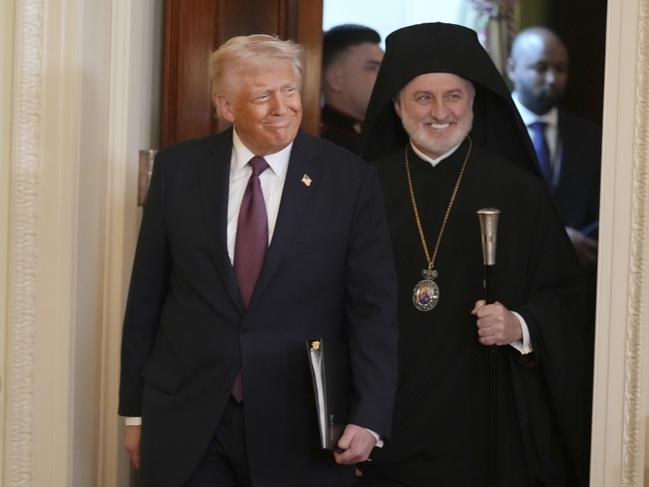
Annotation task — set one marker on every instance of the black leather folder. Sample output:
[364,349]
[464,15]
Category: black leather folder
[331,374]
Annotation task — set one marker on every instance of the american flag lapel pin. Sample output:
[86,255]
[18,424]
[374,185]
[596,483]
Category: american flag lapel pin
[306,180]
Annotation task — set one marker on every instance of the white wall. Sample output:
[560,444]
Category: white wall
[385,16]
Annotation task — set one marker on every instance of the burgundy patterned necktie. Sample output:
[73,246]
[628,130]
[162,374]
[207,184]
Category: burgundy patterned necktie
[251,243]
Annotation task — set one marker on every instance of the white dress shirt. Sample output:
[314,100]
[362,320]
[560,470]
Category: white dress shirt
[524,346]
[271,180]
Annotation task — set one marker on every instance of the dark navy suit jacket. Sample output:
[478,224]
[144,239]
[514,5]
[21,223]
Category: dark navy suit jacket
[577,190]
[328,273]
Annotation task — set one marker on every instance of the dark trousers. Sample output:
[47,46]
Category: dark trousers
[225,463]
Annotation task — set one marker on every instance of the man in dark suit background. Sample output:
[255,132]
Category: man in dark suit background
[252,241]
[351,57]
[568,147]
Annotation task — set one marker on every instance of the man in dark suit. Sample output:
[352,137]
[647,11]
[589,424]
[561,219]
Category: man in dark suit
[253,241]
[568,147]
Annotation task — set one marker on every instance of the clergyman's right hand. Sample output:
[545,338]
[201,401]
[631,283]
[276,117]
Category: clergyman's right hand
[132,440]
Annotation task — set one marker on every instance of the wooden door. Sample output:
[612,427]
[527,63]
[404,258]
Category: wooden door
[194,28]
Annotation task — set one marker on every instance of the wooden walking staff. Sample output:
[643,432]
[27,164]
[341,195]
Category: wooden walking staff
[489,231]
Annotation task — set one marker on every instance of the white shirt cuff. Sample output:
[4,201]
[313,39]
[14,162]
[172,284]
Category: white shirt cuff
[524,346]
[379,441]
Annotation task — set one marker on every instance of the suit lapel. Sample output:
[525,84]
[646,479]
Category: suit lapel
[214,187]
[294,203]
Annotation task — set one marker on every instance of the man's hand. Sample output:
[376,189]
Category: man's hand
[132,440]
[496,324]
[357,443]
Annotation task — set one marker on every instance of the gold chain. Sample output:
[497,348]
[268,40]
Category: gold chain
[431,262]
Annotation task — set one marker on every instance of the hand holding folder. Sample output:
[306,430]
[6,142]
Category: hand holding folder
[331,374]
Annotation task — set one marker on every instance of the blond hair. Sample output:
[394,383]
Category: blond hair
[243,52]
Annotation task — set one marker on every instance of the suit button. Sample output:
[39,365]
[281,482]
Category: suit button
[226,387]
[245,331]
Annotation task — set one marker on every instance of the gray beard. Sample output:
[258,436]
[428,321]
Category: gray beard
[430,147]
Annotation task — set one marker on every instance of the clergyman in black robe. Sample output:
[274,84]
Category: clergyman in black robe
[489,394]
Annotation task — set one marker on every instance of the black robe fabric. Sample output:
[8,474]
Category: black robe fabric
[441,430]
[340,129]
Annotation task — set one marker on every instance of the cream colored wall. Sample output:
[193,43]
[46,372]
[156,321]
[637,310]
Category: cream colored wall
[6,112]
[133,124]
[94,82]
[48,124]
[85,88]
[120,104]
